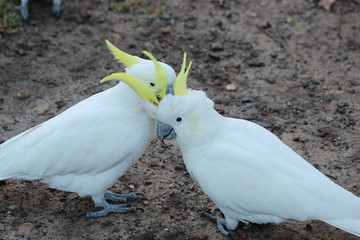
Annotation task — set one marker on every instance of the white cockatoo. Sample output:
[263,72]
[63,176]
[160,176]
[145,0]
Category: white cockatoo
[250,174]
[88,147]
[57,8]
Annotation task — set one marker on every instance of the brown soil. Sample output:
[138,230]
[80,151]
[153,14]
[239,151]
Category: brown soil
[297,71]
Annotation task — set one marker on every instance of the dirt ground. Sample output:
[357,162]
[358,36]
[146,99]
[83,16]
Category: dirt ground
[296,67]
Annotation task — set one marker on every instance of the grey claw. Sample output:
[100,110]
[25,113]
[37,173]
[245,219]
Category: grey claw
[141,209]
[142,195]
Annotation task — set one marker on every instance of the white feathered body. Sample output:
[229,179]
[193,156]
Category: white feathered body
[84,149]
[250,174]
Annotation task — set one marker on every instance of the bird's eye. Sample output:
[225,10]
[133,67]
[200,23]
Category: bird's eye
[152,84]
[179,119]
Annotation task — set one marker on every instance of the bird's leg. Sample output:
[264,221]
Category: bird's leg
[23,9]
[221,222]
[108,208]
[57,8]
[109,195]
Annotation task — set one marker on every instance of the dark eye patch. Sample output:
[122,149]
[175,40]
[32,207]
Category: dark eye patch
[152,84]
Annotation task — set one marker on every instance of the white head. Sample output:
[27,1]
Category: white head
[191,117]
[150,79]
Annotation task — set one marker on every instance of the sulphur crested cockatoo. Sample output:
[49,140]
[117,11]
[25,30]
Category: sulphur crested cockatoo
[89,146]
[57,8]
[250,174]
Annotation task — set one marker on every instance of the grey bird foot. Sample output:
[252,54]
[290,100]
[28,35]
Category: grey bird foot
[221,222]
[109,208]
[57,8]
[109,195]
[23,8]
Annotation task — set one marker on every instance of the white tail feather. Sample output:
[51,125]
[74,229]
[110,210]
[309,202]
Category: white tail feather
[350,225]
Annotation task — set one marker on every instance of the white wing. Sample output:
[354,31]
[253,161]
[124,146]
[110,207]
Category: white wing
[251,175]
[89,138]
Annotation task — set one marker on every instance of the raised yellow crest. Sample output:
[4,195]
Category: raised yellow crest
[122,57]
[180,86]
[141,89]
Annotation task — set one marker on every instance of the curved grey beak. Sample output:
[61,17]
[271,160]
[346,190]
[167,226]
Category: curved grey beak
[165,132]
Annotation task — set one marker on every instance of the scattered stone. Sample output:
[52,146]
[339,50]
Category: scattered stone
[214,56]
[217,82]
[184,215]
[256,64]
[165,30]
[296,139]
[276,126]
[165,17]
[146,202]
[305,83]
[161,150]
[231,87]
[273,55]
[329,119]
[142,163]
[21,95]
[217,46]
[42,109]
[28,229]
[271,80]
[228,14]
[342,104]
[21,52]
[267,25]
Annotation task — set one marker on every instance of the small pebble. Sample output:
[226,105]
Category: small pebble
[42,109]
[217,46]
[21,52]
[271,80]
[217,82]
[342,104]
[214,56]
[305,83]
[21,95]
[165,17]
[273,55]
[161,150]
[329,119]
[296,139]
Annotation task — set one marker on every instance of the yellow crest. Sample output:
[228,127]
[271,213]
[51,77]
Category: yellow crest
[161,75]
[180,87]
[141,89]
[123,58]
